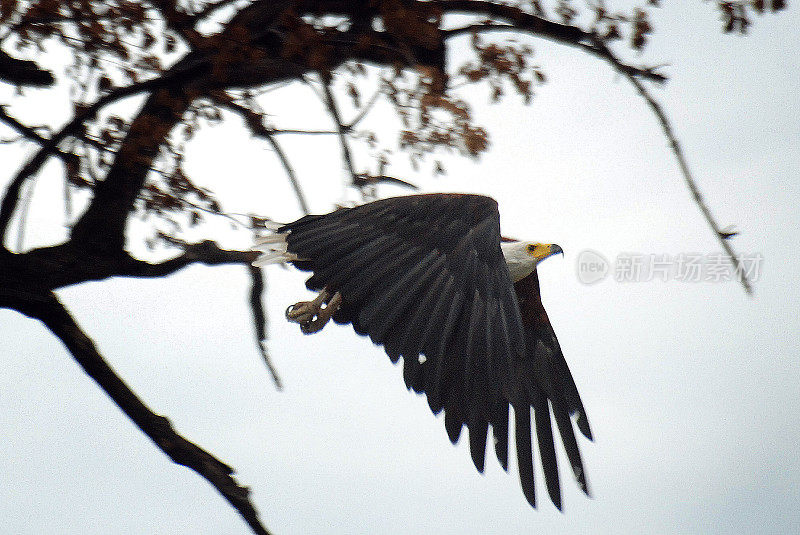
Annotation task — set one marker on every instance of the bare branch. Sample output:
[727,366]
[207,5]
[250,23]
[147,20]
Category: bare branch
[255,121]
[365,110]
[298,192]
[26,131]
[340,128]
[46,307]
[721,235]
[364,180]
[206,252]
[209,253]
[277,131]
[260,321]
[66,264]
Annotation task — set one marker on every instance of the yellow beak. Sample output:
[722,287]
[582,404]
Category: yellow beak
[543,250]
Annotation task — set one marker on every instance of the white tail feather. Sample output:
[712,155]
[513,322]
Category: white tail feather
[273,248]
[268,247]
[271,238]
[272,225]
[267,259]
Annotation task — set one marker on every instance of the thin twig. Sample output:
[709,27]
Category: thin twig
[293,180]
[340,128]
[365,110]
[70,157]
[720,234]
[276,131]
[260,321]
[227,215]
[254,120]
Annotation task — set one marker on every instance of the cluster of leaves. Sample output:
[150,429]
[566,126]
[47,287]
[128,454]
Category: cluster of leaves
[736,15]
[169,195]
[113,43]
[636,25]
[122,40]
[499,62]
[416,23]
[431,117]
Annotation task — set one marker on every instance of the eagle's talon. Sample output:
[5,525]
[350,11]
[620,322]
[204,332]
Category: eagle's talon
[302,313]
[314,315]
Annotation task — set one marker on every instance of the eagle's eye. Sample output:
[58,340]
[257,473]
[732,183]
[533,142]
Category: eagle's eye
[531,248]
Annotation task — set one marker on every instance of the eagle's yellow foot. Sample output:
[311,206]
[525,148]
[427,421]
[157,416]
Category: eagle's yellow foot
[313,315]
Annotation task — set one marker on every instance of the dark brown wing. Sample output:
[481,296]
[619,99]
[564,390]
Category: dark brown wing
[545,376]
[425,277]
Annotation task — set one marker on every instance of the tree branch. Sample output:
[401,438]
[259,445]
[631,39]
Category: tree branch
[65,264]
[46,307]
[254,121]
[206,252]
[330,103]
[513,15]
[26,131]
[209,253]
[260,321]
[721,235]
[23,72]
[364,110]
[287,166]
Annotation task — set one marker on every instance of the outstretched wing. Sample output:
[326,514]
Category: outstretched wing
[425,277]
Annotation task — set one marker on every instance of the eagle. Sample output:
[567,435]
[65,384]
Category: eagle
[430,278]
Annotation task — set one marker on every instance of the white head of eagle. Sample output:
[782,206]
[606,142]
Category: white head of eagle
[522,256]
[430,279]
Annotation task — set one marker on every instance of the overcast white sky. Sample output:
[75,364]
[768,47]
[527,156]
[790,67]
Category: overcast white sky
[691,388]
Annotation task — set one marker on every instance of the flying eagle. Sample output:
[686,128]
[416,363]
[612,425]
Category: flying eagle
[430,279]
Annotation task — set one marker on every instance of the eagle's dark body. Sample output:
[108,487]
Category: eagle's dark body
[425,277]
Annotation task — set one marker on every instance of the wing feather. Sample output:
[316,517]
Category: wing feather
[409,342]
[384,311]
[438,349]
[351,264]
[522,434]
[500,431]
[547,450]
[478,429]
[544,375]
